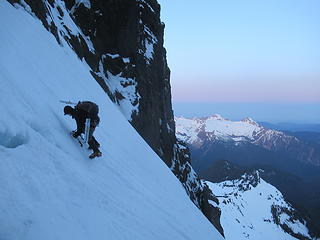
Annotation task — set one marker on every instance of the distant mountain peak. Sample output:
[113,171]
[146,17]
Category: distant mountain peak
[214,129]
[250,121]
[217,117]
[196,130]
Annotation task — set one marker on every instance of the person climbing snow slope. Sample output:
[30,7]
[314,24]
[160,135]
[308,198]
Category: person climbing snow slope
[82,111]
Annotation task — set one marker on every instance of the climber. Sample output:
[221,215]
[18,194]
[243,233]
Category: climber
[82,111]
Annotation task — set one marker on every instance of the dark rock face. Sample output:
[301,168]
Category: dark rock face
[197,190]
[122,42]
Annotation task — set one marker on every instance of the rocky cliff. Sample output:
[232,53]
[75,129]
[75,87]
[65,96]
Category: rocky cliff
[122,43]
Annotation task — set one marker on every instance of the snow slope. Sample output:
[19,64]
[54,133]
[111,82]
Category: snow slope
[49,189]
[253,209]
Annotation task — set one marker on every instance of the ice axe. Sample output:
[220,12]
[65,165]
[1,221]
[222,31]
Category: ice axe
[68,102]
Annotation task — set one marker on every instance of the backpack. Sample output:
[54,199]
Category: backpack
[92,109]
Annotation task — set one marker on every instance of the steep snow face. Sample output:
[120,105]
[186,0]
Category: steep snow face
[49,189]
[253,209]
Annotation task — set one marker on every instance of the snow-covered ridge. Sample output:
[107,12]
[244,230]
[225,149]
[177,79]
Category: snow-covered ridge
[49,189]
[253,209]
[213,130]
[196,131]
[216,127]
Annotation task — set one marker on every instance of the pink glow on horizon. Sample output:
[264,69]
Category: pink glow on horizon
[242,92]
[249,87]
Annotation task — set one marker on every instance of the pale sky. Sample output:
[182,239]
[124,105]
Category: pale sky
[247,52]
[243,51]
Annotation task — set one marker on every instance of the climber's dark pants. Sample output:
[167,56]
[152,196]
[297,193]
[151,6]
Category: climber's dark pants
[93,143]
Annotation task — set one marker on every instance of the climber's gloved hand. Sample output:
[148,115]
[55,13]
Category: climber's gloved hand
[75,134]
